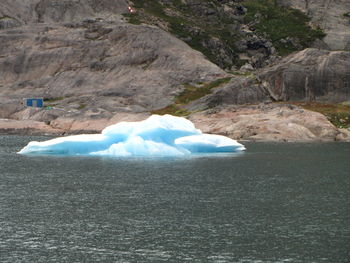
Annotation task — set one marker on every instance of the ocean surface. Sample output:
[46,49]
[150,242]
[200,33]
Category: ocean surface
[274,203]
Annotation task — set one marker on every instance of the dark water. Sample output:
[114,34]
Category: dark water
[275,203]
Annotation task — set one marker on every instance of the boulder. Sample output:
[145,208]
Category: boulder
[247,67]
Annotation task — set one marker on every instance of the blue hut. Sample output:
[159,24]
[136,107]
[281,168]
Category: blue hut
[34,102]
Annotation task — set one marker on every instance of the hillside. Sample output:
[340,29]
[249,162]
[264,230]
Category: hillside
[331,16]
[231,33]
[96,62]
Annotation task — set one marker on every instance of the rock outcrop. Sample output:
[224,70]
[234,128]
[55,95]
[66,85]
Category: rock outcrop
[263,122]
[332,16]
[40,11]
[269,122]
[239,91]
[310,75]
[27,127]
[96,68]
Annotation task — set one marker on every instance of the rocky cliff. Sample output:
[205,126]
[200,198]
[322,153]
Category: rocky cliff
[310,75]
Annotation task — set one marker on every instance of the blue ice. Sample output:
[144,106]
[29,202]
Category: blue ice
[165,135]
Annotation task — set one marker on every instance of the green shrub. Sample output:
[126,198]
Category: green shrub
[172,110]
[53,99]
[189,94]
[133,18]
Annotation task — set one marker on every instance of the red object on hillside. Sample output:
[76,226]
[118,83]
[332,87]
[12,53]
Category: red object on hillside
[131,10]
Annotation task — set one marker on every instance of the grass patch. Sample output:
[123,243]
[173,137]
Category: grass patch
[82,106]
[173,110]
[151,6]
[250,75]
[190,93]
[337,114]
[8,18]
[133,18]
[278,22]
[50,100]
[242,73]
[346,103]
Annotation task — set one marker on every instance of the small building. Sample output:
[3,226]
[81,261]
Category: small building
[34,102]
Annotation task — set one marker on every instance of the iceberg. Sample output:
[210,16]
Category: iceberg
[165,135]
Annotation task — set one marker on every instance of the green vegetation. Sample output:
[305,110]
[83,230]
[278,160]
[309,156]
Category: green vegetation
[181,30]
[279,23]
[151,6]
[192,93]
[337,114]
[346,103]
[133,18]
[50,100]
[189,94]
[250,75]
[287,28]
[82,106]
[182,22]
[205,32]
[173,110]
[6,18]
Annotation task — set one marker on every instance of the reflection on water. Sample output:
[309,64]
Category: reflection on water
[274,203]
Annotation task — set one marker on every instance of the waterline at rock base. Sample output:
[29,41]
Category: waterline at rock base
[156,136]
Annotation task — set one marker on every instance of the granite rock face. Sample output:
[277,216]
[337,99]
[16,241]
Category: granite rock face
[87,63]
[239,91]
[330,16]
[269,122]
[39,11]
[97,67]
[310,75]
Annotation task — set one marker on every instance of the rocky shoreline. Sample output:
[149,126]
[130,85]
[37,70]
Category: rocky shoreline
[266,122]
